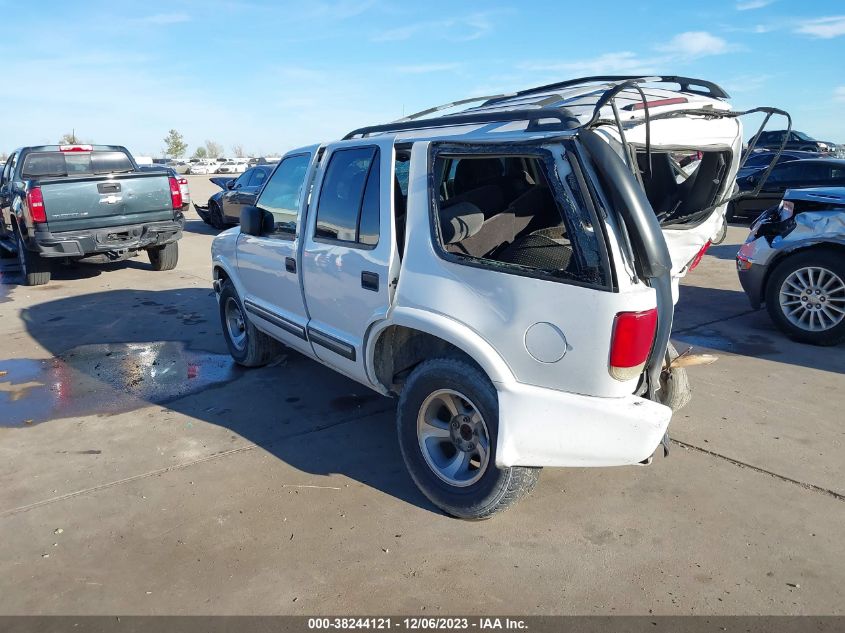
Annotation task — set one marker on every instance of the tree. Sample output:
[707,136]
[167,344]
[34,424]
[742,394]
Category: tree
[175,145]
[200,152]
[213,150]
[69,139]
[3,157]
[238,151]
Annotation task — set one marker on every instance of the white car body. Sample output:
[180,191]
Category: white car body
[232,167]
[205,167]
[544,344]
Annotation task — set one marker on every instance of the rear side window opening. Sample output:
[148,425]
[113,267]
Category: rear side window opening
[57,164]
[515,213]
[682,186]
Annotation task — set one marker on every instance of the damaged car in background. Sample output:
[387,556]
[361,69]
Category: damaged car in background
[224,207]
[794,262]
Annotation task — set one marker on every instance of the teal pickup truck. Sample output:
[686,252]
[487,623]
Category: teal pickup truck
[89,203]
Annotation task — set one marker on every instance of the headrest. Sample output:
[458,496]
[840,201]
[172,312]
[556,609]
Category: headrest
[472,172]
[460,221]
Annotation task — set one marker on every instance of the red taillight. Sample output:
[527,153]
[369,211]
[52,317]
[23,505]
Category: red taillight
[657,102]
[697,259]
[76,148]
[35,202]
[183,181]
[633,335]
[175,193]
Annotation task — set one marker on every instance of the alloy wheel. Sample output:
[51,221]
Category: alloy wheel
[813,299]
[235,323]
[453,438]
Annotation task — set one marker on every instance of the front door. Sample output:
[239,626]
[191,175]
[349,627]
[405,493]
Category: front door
[267,264]
[232,201]
[349,258]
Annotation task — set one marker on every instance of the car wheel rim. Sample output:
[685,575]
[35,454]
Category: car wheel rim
[813,299]
[235,323]
[453,438]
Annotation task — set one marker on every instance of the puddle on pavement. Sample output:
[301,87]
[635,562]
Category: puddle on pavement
[105,379]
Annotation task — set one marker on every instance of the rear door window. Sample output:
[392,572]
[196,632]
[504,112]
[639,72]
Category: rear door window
[348,207]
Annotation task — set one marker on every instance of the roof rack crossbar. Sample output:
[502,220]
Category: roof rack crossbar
[567,120]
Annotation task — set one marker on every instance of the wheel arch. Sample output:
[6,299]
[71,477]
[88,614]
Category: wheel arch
[222,270]
[799,249]
[410,336]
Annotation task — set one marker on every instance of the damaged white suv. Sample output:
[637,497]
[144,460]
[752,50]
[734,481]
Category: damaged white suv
[507,271]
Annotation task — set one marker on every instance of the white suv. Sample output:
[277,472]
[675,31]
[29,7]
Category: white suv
[503,271]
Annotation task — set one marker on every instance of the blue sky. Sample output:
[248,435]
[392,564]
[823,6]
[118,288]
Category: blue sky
[276,75]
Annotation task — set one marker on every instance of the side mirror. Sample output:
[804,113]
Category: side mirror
[255,221]
[230,185]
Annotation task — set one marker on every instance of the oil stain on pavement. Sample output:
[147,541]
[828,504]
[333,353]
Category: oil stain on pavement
[105,379]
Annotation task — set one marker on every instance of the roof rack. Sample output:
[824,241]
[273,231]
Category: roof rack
[540,111]
[533,115]
[712,89]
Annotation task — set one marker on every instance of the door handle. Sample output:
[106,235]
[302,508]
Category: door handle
[290,264]
[369,280]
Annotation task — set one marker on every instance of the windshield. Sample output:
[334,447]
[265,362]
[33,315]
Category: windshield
[803,136]
[43,164]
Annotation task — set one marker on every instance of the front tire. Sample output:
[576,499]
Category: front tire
[805,297]
[215,218]
[164,257]
[447,423]
[247,345]
[34,269]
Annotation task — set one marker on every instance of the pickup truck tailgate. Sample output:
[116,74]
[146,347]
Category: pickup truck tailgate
[101,202]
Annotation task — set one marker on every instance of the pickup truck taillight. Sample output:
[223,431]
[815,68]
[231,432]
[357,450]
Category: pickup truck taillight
[175,193]
[633,335]
[35,202]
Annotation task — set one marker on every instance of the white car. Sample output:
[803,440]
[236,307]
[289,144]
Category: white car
[204,167]
[508,272]
[232,167]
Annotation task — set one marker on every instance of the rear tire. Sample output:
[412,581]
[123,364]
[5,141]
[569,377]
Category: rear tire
[794,305]
[453,461]
[35,270]
[215,216]
[675,390]
[164,257]
[247,345]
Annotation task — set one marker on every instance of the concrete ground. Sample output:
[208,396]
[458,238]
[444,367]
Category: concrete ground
[141,473]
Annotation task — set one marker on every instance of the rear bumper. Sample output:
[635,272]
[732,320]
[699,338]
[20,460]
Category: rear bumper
[114,239]
[544,427]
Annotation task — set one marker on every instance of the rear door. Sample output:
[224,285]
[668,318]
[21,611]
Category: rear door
[349,256]
[267,264]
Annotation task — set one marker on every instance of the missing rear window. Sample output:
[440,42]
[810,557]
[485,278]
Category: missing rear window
[516,213]
[682,186]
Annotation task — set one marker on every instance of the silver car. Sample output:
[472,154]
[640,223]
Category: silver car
[794,262]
